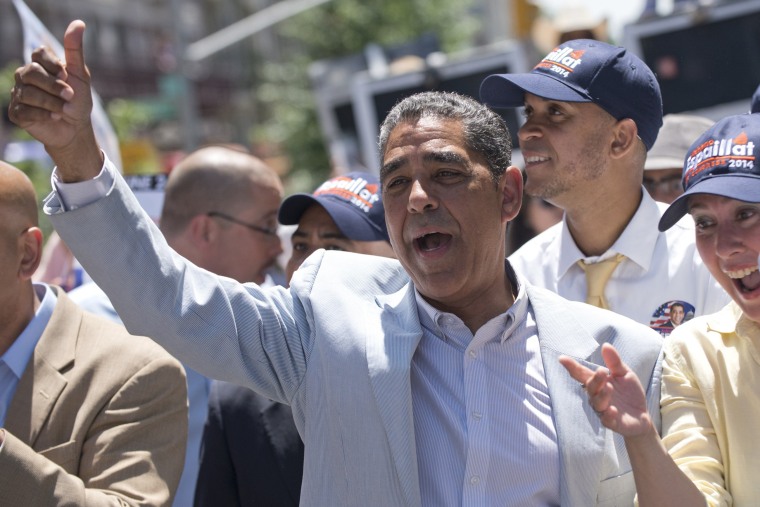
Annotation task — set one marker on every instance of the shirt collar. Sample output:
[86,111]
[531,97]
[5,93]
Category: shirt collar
[731,320]
[432,318]
[18,355]
[637,241]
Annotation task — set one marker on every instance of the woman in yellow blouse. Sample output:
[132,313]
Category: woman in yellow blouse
[710,449]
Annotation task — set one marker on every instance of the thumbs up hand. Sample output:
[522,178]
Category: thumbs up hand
[52,101]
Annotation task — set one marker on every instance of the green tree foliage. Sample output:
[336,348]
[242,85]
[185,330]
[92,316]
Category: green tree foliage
[129,118]
[335,29]
[6,81]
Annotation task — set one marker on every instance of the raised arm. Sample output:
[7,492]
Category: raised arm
[616,395]
[52,100]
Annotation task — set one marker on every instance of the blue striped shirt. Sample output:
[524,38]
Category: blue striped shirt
[482,415]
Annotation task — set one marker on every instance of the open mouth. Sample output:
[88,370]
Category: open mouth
[747,280]
[433,241]
[535,160]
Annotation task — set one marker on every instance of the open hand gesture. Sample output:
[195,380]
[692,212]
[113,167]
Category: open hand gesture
[615,393]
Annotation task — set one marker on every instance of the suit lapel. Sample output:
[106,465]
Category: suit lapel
[389,359]
[580,435]
[42,382]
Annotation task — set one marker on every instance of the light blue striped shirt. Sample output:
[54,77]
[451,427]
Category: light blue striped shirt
[482,415]
[14,361]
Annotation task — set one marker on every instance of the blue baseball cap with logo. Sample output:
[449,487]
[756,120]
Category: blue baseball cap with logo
[585,70]
[352,200]
[722,161]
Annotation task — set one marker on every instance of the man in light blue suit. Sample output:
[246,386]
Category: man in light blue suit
[429,381]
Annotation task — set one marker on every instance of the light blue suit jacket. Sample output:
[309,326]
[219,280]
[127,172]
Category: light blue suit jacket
[338,347]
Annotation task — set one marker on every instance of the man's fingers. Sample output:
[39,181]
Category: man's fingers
[74,48]
[612,359]
[24,116]
[34,78]
[32,96]
[575,369]
[46,59]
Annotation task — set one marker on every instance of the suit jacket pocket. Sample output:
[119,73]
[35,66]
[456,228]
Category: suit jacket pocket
[617,491]
[64,455]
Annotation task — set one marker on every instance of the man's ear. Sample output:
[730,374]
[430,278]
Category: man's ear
[30,244]
[202,229]
[625,136]
[512,193]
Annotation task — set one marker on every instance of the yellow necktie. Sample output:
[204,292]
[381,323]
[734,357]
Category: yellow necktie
[597,275]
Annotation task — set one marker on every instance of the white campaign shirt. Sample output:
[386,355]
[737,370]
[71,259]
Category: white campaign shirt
[660,268]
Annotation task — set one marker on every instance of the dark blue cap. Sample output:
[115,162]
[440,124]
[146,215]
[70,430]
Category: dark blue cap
[585,70]
[352,200]
[722,161]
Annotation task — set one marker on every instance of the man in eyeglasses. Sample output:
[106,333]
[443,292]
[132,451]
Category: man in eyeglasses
[664,164]
[220,212]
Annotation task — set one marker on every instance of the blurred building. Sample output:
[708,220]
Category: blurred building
[132,51]
[702,53]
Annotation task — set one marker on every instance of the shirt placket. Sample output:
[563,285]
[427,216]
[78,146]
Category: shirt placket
[478,435]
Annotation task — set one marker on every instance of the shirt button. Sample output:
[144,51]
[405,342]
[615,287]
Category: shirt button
[475,479]
[477,415]
[473,354]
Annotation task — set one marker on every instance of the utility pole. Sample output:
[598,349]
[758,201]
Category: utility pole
[188,55]
[246,27]
[186,102]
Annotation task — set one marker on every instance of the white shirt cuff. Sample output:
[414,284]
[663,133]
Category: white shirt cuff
[82,193]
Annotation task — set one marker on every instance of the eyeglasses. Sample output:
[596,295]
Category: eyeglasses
[253,227]
[668,185]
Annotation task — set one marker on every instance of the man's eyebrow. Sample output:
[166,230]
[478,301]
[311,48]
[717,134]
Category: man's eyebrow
[446,157]
[326,235]
[332,235]
[391,166]
[692,206]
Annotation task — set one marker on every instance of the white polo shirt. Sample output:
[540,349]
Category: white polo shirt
[659,269]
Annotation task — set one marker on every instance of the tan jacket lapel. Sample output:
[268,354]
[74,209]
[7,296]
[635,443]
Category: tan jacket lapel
[42,381]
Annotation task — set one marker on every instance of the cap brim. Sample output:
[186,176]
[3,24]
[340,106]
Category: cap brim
[351,222]
[508,90]
[293,207]
[742,187]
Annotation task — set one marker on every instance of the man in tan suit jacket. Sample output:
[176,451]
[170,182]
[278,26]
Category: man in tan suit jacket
[89,415]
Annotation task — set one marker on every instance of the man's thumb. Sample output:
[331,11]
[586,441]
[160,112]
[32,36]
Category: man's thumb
[74,48]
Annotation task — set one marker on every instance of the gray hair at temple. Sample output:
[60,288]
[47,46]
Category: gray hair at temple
[485,132]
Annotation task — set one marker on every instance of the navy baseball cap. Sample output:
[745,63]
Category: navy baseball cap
[585,70]
[352,200]
[722,161]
